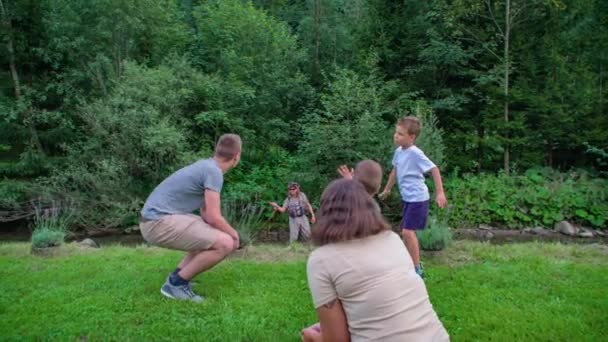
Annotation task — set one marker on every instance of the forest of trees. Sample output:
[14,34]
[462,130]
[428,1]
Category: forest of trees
[101,100]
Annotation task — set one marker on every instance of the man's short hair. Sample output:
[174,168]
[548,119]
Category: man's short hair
[369,173]
[227,147]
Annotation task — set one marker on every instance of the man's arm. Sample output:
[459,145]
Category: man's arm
[313,219]
[277,207]
[333,322]
[212,214]
[389,184]
[441,200]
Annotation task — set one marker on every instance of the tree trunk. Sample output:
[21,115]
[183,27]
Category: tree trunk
[480,148]
[11,52]
[27,114]
[506,83]
[317,20]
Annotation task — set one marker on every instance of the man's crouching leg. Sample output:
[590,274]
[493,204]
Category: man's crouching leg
[178,284]
[204,260]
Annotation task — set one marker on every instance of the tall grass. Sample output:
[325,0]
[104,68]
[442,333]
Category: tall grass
[50,224]
[246,218]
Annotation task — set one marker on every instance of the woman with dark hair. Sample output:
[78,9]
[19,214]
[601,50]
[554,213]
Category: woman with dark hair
[361,278]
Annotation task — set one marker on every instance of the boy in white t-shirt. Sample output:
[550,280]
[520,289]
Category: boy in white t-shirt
[410,165]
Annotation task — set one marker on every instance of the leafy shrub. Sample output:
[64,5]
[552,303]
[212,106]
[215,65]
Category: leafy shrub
[539,197]
[45,237]
[348,128]
[13,193]
[51,222]
[134,138]
[436,236]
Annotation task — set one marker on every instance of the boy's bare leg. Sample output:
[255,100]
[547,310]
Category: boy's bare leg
[411,244]
[204,260]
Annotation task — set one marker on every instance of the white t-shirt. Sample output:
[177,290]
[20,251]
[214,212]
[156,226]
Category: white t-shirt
[411,165]
[382,296]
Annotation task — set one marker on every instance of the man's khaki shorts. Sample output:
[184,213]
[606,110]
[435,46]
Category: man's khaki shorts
[181,232]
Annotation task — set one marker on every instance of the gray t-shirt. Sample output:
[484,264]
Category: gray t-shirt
[183,191]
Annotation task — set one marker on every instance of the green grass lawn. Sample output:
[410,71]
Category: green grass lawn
[519,292]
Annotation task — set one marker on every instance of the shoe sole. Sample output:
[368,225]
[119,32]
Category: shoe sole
[166,294]
[171,297]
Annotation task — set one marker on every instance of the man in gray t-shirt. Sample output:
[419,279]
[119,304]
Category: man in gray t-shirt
[167,219]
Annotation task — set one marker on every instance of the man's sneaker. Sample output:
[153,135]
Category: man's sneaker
[183,292]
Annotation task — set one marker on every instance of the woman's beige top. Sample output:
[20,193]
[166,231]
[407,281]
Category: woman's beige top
[374,279]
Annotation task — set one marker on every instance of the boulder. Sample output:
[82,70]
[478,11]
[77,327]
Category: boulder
[486,234]
[565,228]
[584,233]
[88,243]
[539,231]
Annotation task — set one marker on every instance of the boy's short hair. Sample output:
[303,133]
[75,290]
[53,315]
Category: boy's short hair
[347,212]
[227,147]
[369,173]
[411,124]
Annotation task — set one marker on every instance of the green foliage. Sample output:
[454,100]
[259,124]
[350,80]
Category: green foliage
[50,224]
[601,156]
[539,197]
[109,97]
[135,137]
[436,236]
[259,182]
[331,31]
[13,193]
[45,237]
[349,128]
[246,218]
[256,57]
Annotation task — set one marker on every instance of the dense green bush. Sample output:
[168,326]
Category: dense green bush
[436,236]
[538,197]
[45,237]
[51,222]
[13,193]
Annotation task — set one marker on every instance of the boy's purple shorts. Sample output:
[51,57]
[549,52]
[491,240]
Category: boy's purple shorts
[414,215]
